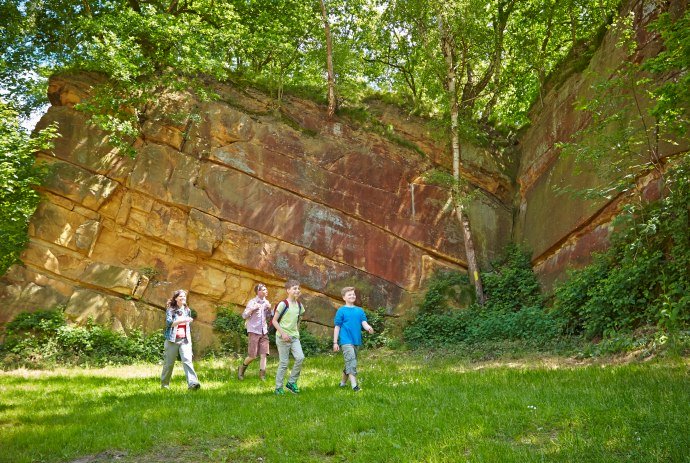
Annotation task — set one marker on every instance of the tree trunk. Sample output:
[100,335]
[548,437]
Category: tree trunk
[472,268]
[451,80]
[332,103]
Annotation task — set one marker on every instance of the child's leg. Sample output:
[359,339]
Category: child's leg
[252,348]
[353,380]
[343,379]
[283,357]
[297,353]
[262,351]
[170,355]
[350,355]
[186,357]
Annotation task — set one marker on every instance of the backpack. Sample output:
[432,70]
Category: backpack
[272,329]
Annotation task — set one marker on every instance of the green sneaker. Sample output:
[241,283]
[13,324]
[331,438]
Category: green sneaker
[279,391]
[292,387]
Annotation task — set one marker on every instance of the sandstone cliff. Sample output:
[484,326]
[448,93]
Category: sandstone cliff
[244,191]
[563,230]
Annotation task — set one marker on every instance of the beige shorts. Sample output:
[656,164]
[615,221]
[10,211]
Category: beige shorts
[258,345]
[350,356]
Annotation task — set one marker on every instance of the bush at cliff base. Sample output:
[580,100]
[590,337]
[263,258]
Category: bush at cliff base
[643,279]
[514,310]
[44,339]
[634,296]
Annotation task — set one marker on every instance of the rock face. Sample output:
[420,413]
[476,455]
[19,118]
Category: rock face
[561,229]
[240,193]
[226,193]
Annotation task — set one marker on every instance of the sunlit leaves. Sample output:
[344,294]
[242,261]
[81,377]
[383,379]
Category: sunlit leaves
[18,176]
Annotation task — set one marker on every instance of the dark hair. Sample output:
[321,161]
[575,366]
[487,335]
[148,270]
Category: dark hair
[290,283]
[172,303]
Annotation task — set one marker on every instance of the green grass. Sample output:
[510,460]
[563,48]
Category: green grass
[412,408]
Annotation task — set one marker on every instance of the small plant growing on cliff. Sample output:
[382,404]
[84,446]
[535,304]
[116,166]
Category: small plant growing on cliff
[149,272]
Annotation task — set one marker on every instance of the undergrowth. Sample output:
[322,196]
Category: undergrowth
[44,339]
[514,310]
[642,281]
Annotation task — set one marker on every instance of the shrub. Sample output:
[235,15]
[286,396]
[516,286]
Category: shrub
[311,344]
[231,330]
[643,278]
[377,320]
[514,309]
[44,338]
[445,290]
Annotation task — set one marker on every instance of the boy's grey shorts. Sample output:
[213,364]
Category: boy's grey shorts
[350,356]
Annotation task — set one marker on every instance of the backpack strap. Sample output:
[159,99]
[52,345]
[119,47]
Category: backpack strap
[299,312]
[287,306]
[285,309]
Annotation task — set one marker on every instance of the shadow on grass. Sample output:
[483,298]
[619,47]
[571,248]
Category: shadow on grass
[407,411]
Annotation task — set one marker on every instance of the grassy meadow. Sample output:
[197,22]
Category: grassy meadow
[411,409]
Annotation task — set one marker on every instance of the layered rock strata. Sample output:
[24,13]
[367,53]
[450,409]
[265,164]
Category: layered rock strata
[225,193]
[562,229]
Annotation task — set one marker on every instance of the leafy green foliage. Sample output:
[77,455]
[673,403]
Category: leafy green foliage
[514,309]
[644,277]
[443,292]
[145,47]
[672,97]
[311,344]
[377,320]
[632,114]
[231,330]
[512,285]
[19,175]
[44,339]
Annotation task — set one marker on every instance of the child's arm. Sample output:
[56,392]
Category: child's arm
[336,332]
[249,310]
[367,327]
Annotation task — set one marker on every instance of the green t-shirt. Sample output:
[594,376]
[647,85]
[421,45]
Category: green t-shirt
[289,321]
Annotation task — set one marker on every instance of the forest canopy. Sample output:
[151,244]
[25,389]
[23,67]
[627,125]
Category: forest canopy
[505,49]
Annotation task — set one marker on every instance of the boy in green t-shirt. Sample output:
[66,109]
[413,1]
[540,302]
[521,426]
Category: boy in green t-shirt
[286,323]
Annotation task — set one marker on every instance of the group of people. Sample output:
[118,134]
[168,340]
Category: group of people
[347,336]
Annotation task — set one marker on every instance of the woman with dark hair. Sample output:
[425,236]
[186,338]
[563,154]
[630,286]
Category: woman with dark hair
[178,340]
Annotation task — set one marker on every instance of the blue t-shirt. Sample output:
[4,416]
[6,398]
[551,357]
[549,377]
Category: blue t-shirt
[350,319]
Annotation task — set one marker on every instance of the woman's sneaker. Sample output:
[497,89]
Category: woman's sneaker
[279,391]
[356,388]
[292,387]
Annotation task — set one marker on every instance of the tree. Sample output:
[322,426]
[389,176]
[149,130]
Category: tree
[19,174]
[457,53]
[332,103]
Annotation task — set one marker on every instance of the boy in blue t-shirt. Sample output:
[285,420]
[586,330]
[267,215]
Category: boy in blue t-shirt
[347,334]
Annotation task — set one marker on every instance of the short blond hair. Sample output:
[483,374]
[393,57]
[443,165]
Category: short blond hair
[346,290]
